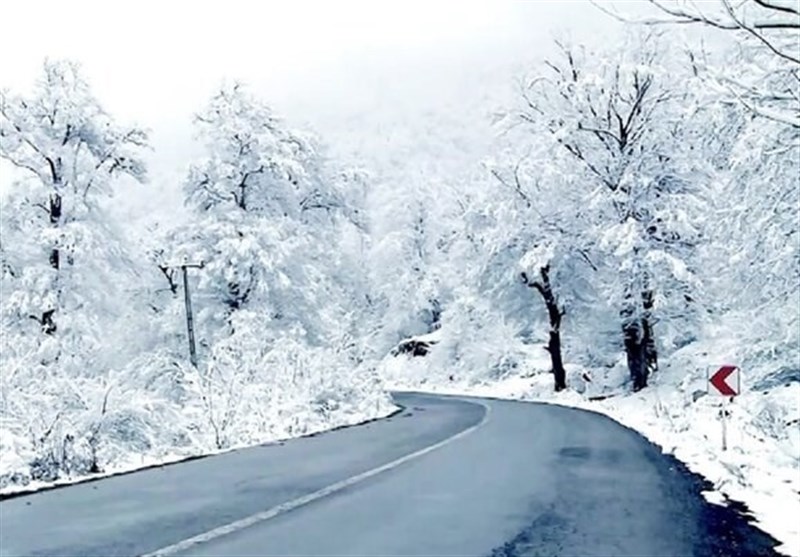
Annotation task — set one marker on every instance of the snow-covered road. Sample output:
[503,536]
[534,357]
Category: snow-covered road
[505,478]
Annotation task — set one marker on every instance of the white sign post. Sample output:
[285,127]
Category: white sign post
[723,412]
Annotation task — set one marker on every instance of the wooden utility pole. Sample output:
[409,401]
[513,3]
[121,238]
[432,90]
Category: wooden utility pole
[187,298]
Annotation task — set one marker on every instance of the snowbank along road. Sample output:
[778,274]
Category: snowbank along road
[445,476]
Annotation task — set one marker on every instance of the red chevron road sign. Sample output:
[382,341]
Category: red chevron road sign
[725,381]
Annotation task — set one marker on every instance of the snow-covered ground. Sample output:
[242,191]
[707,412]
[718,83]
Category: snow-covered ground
[761,467]
[16,454]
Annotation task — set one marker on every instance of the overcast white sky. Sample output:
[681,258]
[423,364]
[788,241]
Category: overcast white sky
[355,71]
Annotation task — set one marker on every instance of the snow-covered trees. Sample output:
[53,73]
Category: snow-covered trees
[267,221]
[255,162]
[264,214]
[605,198]
[404,272]
[63,260]
[66,274]
[761,72]
[544,226]
[752,256]
[616,118]
[94,365]
[752,241]
[626,195]
[73,151]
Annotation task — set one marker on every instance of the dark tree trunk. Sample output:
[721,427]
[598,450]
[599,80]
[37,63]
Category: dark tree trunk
[635,341]
[55,258]
[55,219]
[649,339]
[554,348]
[554,314]
[47,321]
[242,195]
[635,352]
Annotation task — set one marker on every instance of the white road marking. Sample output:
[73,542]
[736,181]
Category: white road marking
[305,499]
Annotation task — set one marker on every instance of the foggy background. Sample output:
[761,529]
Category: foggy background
[403,89]
[376,80]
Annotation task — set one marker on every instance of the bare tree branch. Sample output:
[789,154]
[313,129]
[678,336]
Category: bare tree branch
[788,8]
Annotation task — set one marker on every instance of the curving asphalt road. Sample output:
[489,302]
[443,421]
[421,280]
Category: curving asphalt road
[446,476]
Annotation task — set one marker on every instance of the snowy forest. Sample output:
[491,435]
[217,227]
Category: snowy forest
[632,221]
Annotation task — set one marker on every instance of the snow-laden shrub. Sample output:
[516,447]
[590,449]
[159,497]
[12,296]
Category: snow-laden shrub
[255,388]
[475,344]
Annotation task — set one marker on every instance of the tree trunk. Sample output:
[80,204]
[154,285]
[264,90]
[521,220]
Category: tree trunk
[242,198]
[554,348]
[55,220]
[554,314]
[649,340]
[635,352]
[47,321]
[633,338]
[638,335]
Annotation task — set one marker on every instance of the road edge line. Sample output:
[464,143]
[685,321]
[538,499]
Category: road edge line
[287,506]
